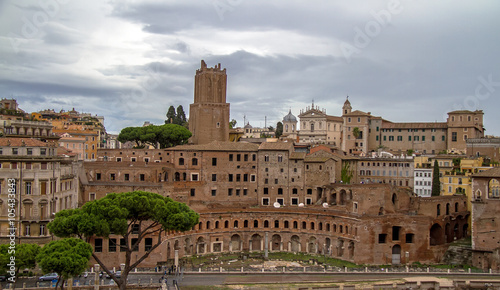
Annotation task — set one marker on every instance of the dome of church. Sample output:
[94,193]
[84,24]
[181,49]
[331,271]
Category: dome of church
[248,126]
[289,117]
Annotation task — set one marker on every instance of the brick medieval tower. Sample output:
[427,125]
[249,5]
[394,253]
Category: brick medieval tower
[209,114]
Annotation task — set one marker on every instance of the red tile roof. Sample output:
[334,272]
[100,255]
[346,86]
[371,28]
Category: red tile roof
[22,142]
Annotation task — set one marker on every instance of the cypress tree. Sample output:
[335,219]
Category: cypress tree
[436,184]
[171,116]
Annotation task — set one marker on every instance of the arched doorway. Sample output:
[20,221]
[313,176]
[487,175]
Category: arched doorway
[436,235]
[295,243]
[235,243]
[328,243]
[340,248]
[255,242]
[396,255]
[276,243]
[188,247]
[200,245]
[311,245]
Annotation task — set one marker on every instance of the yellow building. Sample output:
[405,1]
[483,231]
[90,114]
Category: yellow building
[459,180]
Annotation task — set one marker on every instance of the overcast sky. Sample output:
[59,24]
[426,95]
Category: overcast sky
[128,61]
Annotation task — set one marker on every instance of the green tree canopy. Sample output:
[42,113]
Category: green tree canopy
[171,115]
[67,257]
[122,212]
[181,116]
[346,173]
[25,255]
[176,117]
[356,132]
[436,183]
[162,136]
[279,129]
[232,124]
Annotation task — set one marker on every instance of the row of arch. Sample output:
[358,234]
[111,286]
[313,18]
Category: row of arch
[448,208]
[190,245]
[452,231]
[277,224]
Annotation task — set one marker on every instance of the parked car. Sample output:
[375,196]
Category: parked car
[3,278]
[49,277]
[118,274]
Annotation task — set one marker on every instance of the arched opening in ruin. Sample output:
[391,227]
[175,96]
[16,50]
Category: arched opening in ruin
[256,242]
[200,245]
[276,243]
[319,193]
[340,248]
[351,250]
[342,197]
[396,255]
[436,235]
[295,244]
[235,243]
[311,245]
[333,198]
[188,247]
[328,244]
[465,229]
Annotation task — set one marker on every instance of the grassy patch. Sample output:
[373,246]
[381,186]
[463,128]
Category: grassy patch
[305,258]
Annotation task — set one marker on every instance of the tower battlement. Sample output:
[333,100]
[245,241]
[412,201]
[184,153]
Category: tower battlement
[209,113]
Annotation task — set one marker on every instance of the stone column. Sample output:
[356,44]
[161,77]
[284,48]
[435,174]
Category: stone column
[176,258]
[289,246]
[266,249]
[251,246]
[96,276]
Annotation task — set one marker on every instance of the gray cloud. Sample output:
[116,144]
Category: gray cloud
[129,61]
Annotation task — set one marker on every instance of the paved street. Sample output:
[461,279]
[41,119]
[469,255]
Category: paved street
[252,278]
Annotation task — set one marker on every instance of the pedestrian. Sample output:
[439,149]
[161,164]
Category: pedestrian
[169,271]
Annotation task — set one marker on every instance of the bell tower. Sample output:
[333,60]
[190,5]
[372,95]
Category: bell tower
[209,114]
[346,109]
